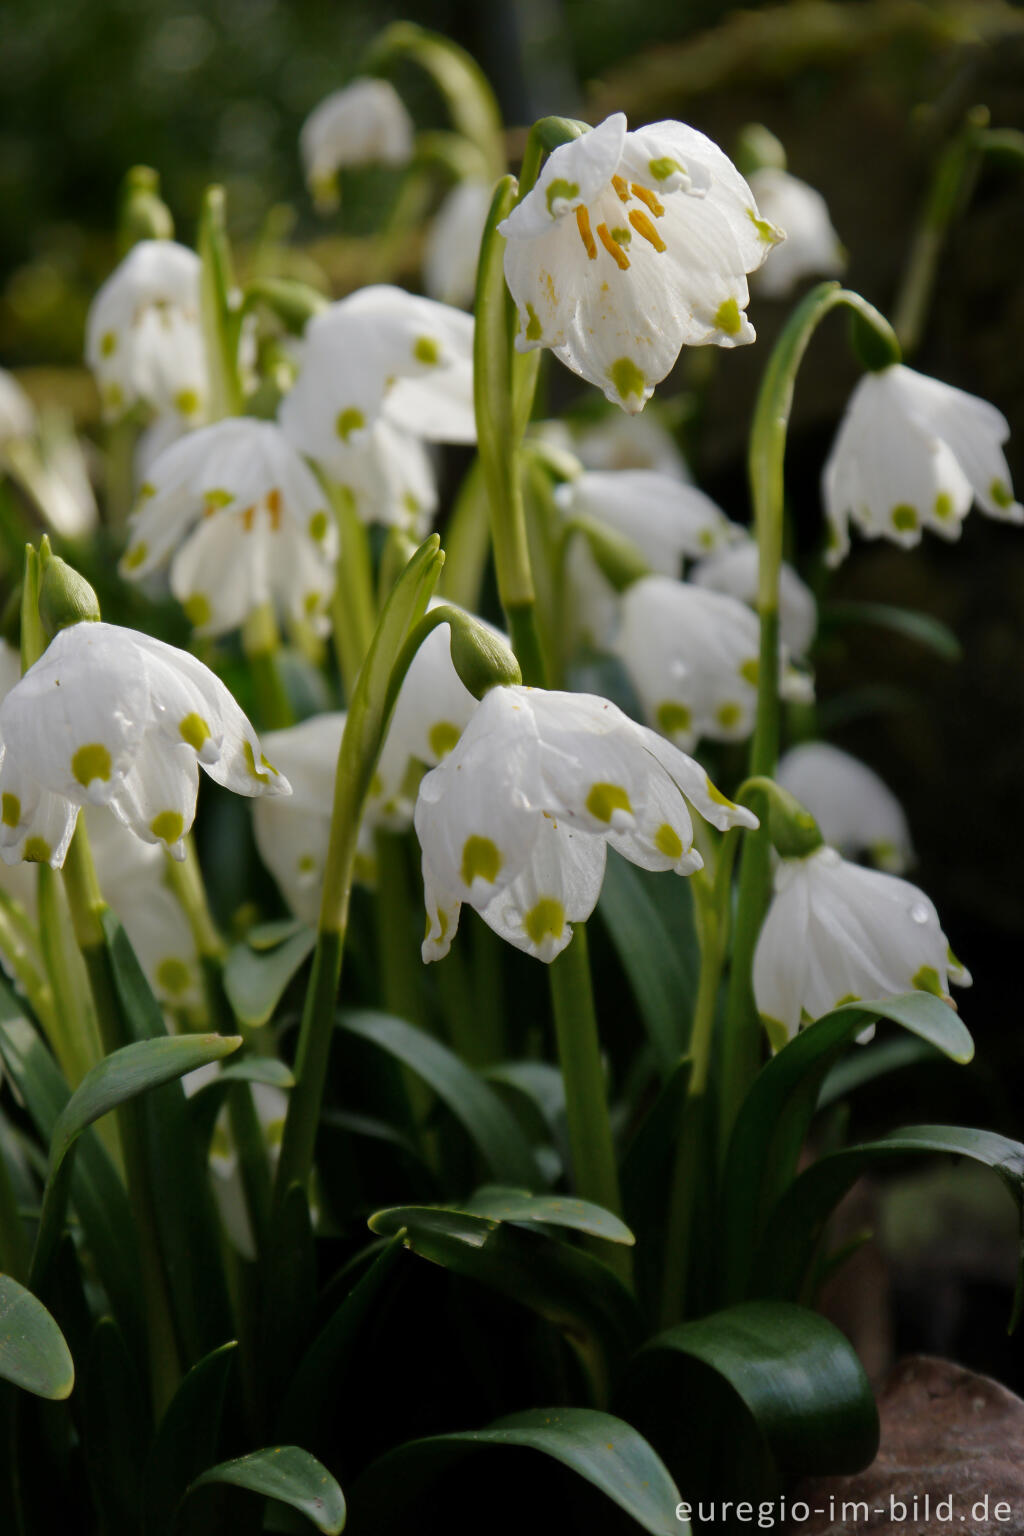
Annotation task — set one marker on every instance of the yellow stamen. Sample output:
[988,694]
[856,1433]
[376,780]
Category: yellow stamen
[647,196]
[643,226]
[611,247]
[274,508]
[619,183]
[586,235]
[248,518]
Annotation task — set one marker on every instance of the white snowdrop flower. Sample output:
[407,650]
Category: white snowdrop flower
[838,933]
[735,572]
[108,716]
[665,518]
[390,476]
[629,247]
[692,656]
[243,521]
[17,880]
[131,875]
[17,413]
[51,464]
[811,247]
[453,243]
[518,817]
[856,811]
[271,1106]
[618,441]
[364,123]
[912,453]
[144,342]
[381,353]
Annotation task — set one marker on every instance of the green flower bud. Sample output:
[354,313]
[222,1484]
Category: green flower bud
[482,658]
[65,597]
[758,149]
[617,557]
[143,214]
[793,830]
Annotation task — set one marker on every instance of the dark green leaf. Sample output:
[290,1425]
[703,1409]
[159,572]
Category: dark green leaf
[548,1210]
[923,628]
[142,1012]
[774,1118]
[869,1062]
[204,1105]
[290,1475]
[255,980]
[605,1451]
[115,1426]
[289,1292]
[796,1224]
[186,1439]
[491,1126]
[33,1353]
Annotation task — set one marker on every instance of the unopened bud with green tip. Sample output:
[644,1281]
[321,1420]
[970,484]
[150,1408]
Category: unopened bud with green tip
[758,149]
[294,303]
[143,214]
[875,346]
[793,831]
[617,558]
[65,597]
[482,658]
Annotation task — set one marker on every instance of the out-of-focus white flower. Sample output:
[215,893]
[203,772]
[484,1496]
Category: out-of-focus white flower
[910,454]
[453,243]
[665,518]
[380,354]
[735,572]
[856,812]
[629,247]
[517,818]
[17,413]
[271,1105]
[108,716]
[692,656]
[144,341]
[17,880]
[51,465]
[811,247]
[631,442]
[838,933]
[131,875]
[364,123]
[390,476]
[244,522]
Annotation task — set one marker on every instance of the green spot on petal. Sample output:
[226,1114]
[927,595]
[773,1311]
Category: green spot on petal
[410,503]
[627,379]
[108,343]
[534,329]
[673,718]
[728,317]
[944,505]
[621,236]
[927,980]
[91,762]
[11,814]
[146,490]
[605,799]
[173,976]
[561,191]
[778,1034]
[37,850]
[546,917]
[427,349]
[748,671]
[715,794]
[904,517]
[668,841]
[194,730]
[187,402]
[665,167]
[349,420]
[1000,493]
[318,526]
[168,826]
[766,231]
[442,737]
[480,859]
[134,557]
[218,498]
[197,609]
[250,763]
[848,997]
[728,715]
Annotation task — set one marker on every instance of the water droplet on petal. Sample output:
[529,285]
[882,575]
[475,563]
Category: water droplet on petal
[919,913]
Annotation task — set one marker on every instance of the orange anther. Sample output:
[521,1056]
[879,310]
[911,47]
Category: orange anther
[619,183]
[274,508]
[647,196]
[248,518]
[612,246]
[586,234]
[643,226]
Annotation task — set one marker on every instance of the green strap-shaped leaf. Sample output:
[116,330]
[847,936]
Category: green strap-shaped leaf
[204,1105]
[186,1439]
[254,980]
[549,1210]
[605,1451]
[121,1076]
[141,1010]
[774,1118]
[491,1126]
[33,1353]
[796,1223]
[869,1062]
[290,1475]
[651,927]
[115,1426]
[924,628]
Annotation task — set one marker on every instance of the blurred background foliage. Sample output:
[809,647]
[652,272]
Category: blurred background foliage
[864,95]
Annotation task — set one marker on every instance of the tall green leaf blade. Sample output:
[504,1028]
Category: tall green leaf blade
[187,1437]
[33,1352]
[606,1451]
[490,1125]
[255,980]
[505,1204]
[774,1118]
[795,1225]
[911,623]
[290,1475]
[141,1010]
[115,1426]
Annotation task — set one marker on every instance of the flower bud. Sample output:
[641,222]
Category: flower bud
[65,597]
[618,558]
[293,303]
[758,148]
[481,658]
[143,213]
[793,830]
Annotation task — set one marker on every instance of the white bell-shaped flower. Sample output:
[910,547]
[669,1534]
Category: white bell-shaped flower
[839,933]
[453,243]
[390,476]
[364,123]
[619,441]
[244,522]
[144,342]
[856,811]
[629,247]
[17,413]
[52,466]
[16,880]
[386,353]
[517,818]
[692,656]
[811,247]
[734,571]
[665,518]
[910,454]
[108,716]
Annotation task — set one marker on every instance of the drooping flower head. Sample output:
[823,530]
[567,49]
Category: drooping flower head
[364,123]
[735,570]
[244,522]
[664,517]
[629,247]
[17,413]
[143,337]
[108,716]
[453,243]
[838,933]
[911,454]
[856,812]
[518,817]
[811,247]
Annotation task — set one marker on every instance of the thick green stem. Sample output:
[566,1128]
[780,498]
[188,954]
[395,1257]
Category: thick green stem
[71,1025]
[353,610]
[262,645]
[595,1174]
[400,980]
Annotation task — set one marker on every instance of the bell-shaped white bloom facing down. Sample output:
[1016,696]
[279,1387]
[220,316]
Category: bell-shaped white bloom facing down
[518,817]
[910,454]
[838,933]
[17,413]
[665,518]
[381,352]
[692,656]
[453,243]
[811,247]
[144,342]
[856,812]
[245,523]
[108,716]
[629,247]
[364,123]
[631,442]
[734,571]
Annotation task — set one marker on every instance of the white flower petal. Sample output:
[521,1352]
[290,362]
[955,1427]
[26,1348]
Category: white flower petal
[559,886]
[856,811]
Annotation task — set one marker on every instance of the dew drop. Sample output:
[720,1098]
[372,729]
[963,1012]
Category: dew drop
[919,913]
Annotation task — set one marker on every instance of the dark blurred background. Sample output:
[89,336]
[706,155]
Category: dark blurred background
[863,95]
